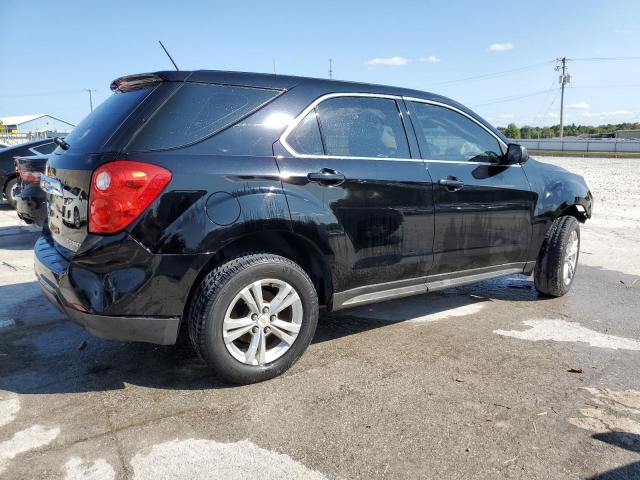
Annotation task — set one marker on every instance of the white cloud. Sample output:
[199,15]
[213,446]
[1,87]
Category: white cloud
[390,61]
[506,115]
[430,59]
[581,105]
[552,115]
[617,113]
[500,47]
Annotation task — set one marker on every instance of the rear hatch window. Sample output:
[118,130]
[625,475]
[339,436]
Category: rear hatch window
[196,111]
[92,133]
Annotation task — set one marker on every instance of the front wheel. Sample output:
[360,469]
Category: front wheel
[253,317]
[558,258]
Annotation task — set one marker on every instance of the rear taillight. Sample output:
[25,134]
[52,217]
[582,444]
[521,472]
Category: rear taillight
[29,176]
[121,191]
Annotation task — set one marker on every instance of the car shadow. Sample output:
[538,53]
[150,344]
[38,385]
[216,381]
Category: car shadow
[627,441]
[18,237]
[57,356]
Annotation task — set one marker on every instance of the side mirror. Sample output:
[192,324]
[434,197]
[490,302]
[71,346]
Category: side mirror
[516,154]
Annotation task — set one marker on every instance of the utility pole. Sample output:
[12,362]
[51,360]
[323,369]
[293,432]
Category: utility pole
[90,97]
[564,79]
[331,68]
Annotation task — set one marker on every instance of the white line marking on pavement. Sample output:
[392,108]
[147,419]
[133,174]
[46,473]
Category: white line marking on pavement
[9,407]
[194,459]
[78,469]
[563,331]
[609,411]
[24,441]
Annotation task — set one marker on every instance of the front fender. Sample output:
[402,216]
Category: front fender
[559,192]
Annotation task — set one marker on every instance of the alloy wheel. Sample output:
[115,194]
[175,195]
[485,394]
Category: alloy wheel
[570,258]
[262,322]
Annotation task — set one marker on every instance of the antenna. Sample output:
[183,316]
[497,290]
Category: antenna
[89,90]
[331,68]
[274,65]
[168,54]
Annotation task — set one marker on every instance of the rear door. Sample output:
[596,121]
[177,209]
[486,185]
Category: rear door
[351,172]
[483,210]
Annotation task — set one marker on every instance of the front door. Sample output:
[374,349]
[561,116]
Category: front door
[350,177]
[483,209]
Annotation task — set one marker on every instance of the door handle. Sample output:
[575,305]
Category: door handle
[326,176]
[451,183]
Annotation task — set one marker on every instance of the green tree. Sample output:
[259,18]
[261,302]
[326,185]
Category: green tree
[512,131]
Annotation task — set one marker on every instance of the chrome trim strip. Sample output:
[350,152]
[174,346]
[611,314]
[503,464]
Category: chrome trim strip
[296,121]
[448,281]
[414,286]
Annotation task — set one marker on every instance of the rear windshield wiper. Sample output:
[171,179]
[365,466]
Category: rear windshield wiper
[61,143]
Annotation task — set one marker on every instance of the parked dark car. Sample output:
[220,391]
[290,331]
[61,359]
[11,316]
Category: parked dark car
[237,204]
[31,201]
[7,165]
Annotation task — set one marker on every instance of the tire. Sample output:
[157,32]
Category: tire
[226,296]
[553,275]
[76,218]
[7,192]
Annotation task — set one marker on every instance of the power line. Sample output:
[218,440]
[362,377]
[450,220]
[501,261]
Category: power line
[586,59]
[631,85]
[494,74]
[512,98]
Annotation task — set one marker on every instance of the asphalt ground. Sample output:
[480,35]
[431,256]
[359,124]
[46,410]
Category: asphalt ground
[482,382]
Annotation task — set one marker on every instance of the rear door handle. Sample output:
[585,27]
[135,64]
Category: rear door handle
[451,183]
[326,176]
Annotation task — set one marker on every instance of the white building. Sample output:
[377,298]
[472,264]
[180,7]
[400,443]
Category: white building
[39,123]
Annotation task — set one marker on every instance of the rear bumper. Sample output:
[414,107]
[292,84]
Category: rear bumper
[51,271]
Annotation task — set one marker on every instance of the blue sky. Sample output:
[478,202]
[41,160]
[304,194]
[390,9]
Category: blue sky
[53,50]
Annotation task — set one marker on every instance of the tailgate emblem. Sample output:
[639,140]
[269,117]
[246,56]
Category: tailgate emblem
[51,185]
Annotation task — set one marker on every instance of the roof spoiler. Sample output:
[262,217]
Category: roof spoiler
[131,82]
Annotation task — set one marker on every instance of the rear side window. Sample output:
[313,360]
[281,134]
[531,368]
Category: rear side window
[197,111]
[93,132]
[305,138]
[448,135]
[362,127]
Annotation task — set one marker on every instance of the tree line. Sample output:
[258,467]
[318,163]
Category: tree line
[527,132]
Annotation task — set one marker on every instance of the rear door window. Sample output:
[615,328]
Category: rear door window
[197,111]
[362,127]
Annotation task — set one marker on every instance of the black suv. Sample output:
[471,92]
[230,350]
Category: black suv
[235,205]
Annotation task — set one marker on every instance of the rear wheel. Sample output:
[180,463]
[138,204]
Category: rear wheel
[8,194]
[253,317]
[558,258]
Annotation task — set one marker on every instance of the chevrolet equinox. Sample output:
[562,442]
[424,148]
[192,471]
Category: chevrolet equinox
[230,207]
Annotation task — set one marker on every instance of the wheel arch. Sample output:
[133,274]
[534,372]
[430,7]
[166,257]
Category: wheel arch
[295,247]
